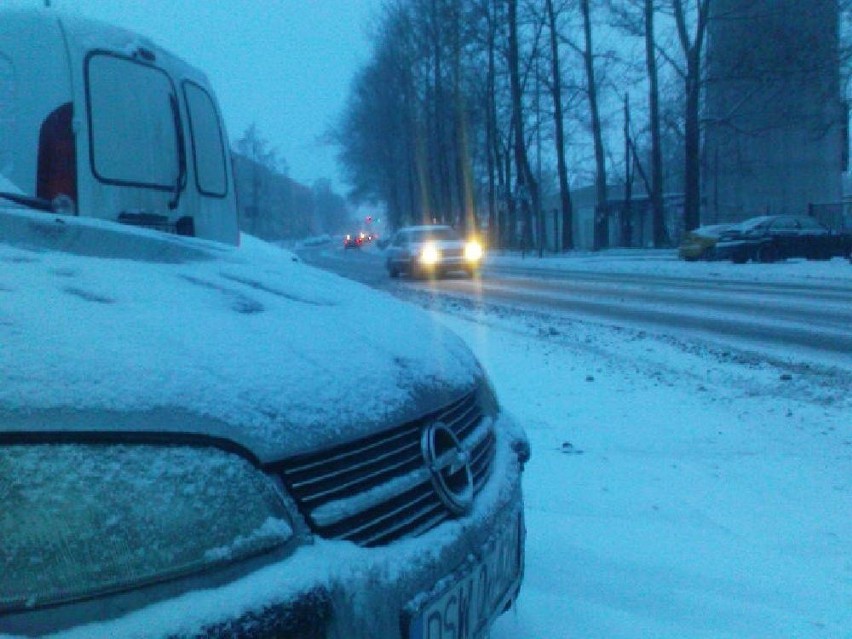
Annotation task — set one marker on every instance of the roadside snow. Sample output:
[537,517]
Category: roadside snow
[665,262]
[674,491]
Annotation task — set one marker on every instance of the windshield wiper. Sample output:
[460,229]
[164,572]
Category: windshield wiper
[38,203]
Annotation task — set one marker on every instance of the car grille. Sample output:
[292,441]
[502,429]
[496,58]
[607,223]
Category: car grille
[378,489]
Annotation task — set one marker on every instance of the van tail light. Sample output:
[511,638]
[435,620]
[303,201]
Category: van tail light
[57,157]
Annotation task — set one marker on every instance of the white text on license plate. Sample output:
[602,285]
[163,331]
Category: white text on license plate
[465,610]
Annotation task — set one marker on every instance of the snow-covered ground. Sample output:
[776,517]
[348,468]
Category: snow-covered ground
[665,262]
[678,487]
[674,490]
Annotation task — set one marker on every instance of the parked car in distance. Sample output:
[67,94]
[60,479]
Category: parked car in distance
[180,452]
[431,250]
[698,244]
[769,238]
[352,240]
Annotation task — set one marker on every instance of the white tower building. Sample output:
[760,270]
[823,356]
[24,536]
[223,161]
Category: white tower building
[775,122]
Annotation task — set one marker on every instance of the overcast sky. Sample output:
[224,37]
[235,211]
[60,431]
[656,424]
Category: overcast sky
[284,64]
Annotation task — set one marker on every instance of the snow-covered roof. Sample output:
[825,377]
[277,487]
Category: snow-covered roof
[112,328]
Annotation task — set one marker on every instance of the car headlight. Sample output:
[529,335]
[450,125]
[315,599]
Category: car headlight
[80,520]
[473,251]
[429,254]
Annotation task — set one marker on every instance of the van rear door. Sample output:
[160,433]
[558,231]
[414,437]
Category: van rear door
[135,149]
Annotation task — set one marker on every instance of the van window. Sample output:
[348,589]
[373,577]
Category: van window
[131,123]
[208,149]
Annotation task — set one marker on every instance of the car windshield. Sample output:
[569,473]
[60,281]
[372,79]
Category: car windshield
[434,235]
[713,230]
[810,223]
[755,223]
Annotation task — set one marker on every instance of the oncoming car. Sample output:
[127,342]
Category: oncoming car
[352,240]
[431,250]
[180,455]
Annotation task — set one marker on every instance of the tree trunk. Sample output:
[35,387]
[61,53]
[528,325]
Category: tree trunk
[526,182]
[561,166]
[442,151]
[627,210]
[661,237]
[601,210]
[692,50]
[692,151]
[490,128]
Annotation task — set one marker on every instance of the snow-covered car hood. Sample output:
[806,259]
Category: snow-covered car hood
[118,329]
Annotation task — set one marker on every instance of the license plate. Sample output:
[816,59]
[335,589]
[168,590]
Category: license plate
[466,609]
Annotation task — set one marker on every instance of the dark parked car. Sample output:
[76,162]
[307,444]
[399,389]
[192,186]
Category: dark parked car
[770,238]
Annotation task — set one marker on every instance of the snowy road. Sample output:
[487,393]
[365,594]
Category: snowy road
[719,305]
[818,319]
[674,490]
[684,482]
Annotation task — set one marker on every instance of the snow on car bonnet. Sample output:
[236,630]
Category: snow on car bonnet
[104,328]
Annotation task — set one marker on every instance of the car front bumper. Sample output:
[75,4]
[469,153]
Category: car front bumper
[446,265]
[331,589]
[731,249]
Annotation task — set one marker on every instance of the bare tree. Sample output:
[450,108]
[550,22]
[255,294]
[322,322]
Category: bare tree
[692,45]
[527,185]
[661,237]
[601,213]
[559,126]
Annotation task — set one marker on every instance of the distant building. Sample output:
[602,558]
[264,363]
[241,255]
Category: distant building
[271,205]
[775,123]
[629,222]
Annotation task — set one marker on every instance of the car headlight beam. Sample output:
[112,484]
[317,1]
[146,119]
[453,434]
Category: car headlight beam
[473,251]
[430,255]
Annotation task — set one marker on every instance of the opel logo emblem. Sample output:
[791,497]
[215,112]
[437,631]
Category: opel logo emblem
[449,466]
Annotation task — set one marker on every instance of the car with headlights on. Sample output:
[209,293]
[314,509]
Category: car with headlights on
[432,250]
[770,238]
[352,240]
[180,455]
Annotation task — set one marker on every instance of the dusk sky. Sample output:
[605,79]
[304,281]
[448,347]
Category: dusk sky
[284,64]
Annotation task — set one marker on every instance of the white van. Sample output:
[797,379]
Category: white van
[101,122]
